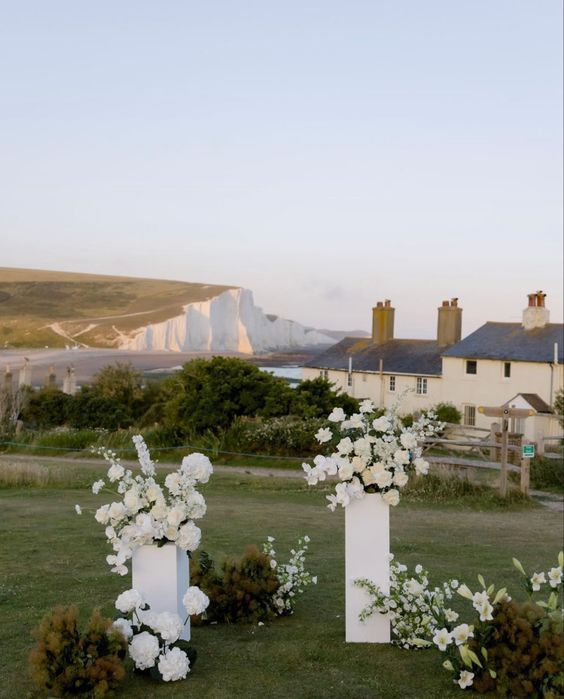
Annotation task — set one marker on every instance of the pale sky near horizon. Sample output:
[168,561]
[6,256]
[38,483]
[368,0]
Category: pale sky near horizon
[324,154]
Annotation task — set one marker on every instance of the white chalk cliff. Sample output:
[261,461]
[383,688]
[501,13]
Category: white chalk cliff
[229,322]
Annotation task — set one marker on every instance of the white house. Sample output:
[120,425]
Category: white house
[498,364]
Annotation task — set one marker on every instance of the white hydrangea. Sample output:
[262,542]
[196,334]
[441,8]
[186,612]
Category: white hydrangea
[168,625]
[195,601]
[198,467]
[128,601]
[124,627]
[143,650]
[173,665]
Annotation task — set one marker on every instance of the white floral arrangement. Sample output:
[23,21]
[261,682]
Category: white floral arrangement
[293,576]
[154,643]
[148,513]
[412,607]
[371,454]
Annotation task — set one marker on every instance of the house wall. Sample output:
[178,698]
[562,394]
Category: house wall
[368,385]
[489,386]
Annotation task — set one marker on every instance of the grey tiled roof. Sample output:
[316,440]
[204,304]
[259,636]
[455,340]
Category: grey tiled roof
[535,401]
[511,341]
[416,357]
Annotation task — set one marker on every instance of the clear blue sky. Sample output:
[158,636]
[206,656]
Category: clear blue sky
[324,154]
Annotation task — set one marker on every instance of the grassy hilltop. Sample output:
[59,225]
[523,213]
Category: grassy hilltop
[40,307]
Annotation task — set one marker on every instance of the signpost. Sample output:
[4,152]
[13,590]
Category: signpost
[506,413]
[528,451]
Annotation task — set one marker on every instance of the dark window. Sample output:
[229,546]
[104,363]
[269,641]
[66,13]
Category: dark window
[471,366]
[507,369]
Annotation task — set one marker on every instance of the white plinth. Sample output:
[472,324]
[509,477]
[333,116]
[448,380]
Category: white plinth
[367,547]
[161,575]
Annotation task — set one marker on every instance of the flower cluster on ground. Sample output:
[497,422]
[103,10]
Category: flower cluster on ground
[370,454]
[510,648]
[412,607]
[154,641]
[147,512]
[293,576]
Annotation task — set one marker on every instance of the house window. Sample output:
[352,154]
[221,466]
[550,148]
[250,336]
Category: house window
[471,366]
[421,386]
[392,384]
[324,374]
[507,370]
[470,415]
[364,378]
[349,379]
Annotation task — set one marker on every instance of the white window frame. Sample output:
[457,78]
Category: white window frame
[468,420]
[392,384]
[421,386]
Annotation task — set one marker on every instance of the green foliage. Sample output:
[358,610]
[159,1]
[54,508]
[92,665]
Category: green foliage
[285,436]
[120,381]
[317,398]
[525,651]
[208,394]
[447,412]
[47,408]
[241,591]
[435,488]
[68,662]
[559,406]
[548,473]
[88,410]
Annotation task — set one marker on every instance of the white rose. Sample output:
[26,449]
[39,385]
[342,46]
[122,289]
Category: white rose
[173,665]
[189,536]
[345,446]
[117,511]
[356,422]
[421,466]
[400,478]
[345,471]
[143,649]
[124,627]
[154,493]
[171,532]
[128,601]
[383,479]
[408,440]
[115,472]
[196,505]
[367,406]
[172,482]
[102,515]
[391,497]
[401,457]
[359,463]
[323,435]
[159,510]
[368,476]
[198,467]
[337,415]
[132,501]
[195,601]
[381,424]
[176,515]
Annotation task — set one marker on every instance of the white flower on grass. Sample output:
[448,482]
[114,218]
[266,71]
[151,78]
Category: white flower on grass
[198,467]
[421,466]
[466,679]
[173,665]
[124,627]
[273,563]
[128,601]
[195,601]
[323,435]
[144,649]
[537,580]
[391,497]
[555,576]
[381,424]
[97,486]
[78,509]
[337,415]
[442,639]
[367,406]
[462,633]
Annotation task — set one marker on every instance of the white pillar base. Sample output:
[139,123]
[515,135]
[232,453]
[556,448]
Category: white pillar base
[161,575]
[367,548]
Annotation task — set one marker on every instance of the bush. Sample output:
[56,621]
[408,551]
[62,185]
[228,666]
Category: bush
[447,412]
[317,398]
[46,408]
[548,473]
[525,650]
[282,436]
[88,409]
[66,662]
[241,591]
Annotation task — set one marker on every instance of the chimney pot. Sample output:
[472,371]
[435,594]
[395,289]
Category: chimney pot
[536,315]
[449,323]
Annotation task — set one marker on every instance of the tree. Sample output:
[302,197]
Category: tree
[317,398]
[47,408]
[87,409]
[559,406]
[120,382]
[208,394]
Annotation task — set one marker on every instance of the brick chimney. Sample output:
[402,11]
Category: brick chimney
[536,315]
[449,323]
[383,322]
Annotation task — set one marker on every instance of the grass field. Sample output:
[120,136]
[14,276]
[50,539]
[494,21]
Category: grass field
[86,306]
[49,555]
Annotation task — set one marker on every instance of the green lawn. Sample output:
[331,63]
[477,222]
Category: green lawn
[49,555]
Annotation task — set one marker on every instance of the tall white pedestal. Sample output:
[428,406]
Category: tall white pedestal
[161,576]
[367,547]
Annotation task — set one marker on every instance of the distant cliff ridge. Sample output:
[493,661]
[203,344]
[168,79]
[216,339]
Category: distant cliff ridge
[229,322]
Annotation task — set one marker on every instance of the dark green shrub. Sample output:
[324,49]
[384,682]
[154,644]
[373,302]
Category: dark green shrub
[88,409]
[525,651]
[241,591]
[46,408]
[447,412]
[548,473]
[317,398]
[68,662]
[284,436]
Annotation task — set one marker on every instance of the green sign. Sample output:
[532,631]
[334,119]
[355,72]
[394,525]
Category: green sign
[528,451]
